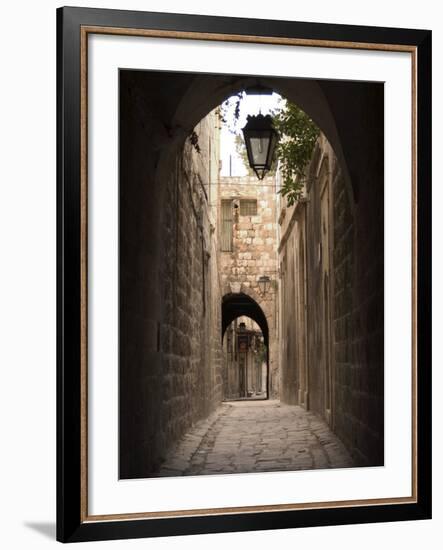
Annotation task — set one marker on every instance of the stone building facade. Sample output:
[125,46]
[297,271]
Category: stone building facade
[170,317]
[248,250]
[191,348]
[331,303]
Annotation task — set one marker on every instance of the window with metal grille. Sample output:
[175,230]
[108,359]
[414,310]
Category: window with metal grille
[248,207]
[226,226]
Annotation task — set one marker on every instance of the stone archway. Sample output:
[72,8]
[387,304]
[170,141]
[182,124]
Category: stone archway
[161,113]
[239,304]
[158,112]
[206,92]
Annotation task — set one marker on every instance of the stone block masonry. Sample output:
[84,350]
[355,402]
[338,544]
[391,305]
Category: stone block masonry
[254,252]
[170,349]
[331,258]
[256,436]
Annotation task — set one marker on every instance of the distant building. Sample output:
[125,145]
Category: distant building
[248,251]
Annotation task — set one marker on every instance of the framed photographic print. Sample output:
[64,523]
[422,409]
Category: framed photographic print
[244,271]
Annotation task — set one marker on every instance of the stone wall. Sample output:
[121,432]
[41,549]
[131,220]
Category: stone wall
[331,262]
[254,253]
[170,349]
[359,292]
[191,342]
[320,280]
[292,297]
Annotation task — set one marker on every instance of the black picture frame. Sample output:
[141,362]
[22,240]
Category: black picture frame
[72,525]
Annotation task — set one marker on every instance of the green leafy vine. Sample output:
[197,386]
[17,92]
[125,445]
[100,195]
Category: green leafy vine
[297,137]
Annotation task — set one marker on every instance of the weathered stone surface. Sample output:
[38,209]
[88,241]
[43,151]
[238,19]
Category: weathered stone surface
[331,259]
[253,254]
[172,378]
[257,436]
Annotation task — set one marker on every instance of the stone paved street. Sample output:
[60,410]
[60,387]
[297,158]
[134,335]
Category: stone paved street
[256,436]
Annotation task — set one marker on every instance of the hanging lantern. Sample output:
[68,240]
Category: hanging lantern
[264,283]
[260,140]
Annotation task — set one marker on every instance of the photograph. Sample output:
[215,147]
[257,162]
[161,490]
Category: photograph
[243,323]
[217,249]
[251,274]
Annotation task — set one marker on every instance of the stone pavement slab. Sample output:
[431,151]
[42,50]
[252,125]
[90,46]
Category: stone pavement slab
[256,436]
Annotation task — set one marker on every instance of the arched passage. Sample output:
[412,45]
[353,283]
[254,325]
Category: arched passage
[238,304]
[158,112]
[235,305]
[205,92]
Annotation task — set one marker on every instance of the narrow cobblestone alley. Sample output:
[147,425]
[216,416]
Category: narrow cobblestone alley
[256,436]
[251,274]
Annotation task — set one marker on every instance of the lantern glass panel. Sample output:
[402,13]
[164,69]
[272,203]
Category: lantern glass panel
[259,149]
[260,140]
